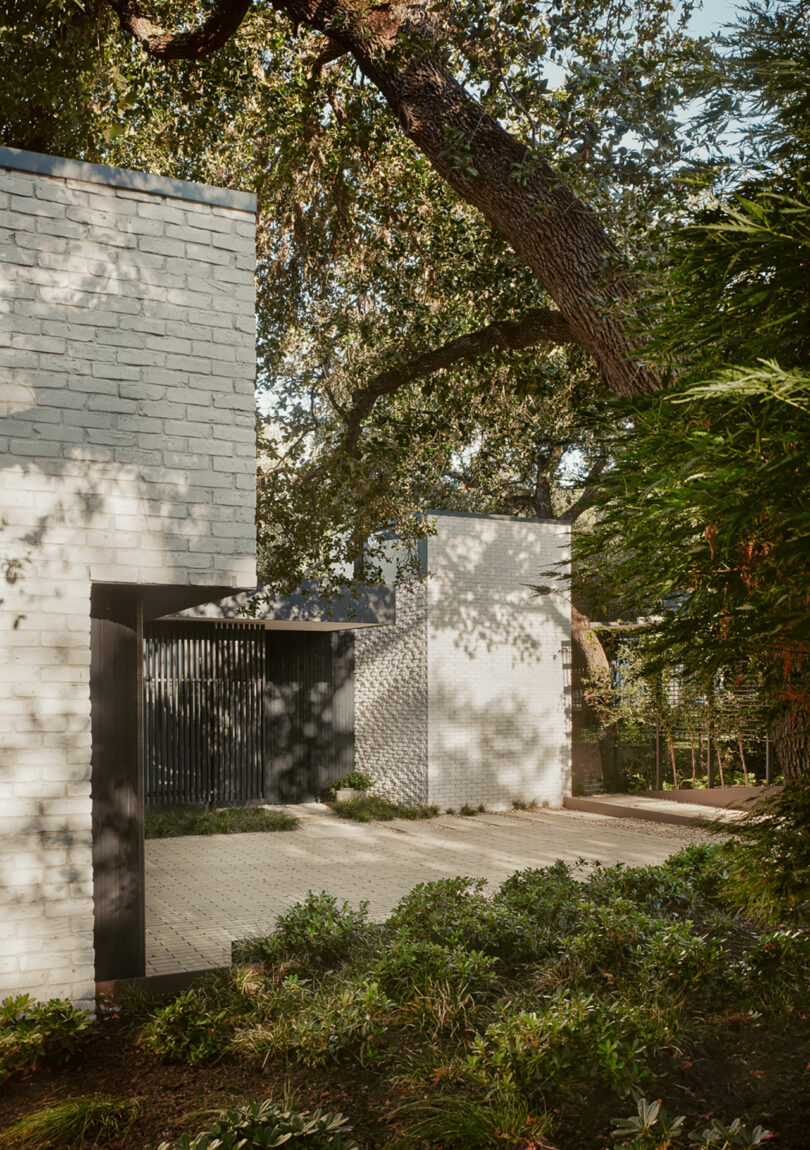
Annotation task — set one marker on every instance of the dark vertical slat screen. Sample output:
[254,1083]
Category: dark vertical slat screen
[235,714]
[203,738]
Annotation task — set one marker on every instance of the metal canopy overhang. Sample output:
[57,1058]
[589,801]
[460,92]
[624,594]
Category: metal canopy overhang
[306,610]
[114,601]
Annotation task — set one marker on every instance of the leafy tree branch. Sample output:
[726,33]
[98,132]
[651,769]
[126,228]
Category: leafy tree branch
[540,324]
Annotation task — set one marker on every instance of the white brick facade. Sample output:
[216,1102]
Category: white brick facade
[127,455]
[464,700]
[390,692]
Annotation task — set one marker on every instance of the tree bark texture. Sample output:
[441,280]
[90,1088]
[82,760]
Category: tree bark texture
[790,735]
[598,668]
[522,197]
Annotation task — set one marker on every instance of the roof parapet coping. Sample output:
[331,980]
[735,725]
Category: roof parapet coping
[42,165]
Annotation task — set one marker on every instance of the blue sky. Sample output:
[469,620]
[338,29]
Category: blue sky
[713,15]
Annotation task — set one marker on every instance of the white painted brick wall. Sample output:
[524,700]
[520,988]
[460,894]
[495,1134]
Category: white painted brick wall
[127,454]
[498,727]
[390,700]
[464,699]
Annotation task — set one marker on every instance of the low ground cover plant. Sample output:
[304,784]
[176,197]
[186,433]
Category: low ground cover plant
[33,1032]
[650,1128]
[370,808]
[532,1010]
[174,821]
[263,1125]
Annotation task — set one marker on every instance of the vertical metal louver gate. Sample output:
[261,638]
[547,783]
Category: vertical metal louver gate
[203,712]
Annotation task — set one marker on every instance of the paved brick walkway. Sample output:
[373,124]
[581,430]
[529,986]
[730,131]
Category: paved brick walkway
[202,892]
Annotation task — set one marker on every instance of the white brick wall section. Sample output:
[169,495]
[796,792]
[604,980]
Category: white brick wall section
[391,700]
[497,707]
[126,454]
[464,700]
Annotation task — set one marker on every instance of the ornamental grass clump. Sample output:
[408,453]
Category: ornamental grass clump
[73,1122]
[502,1119]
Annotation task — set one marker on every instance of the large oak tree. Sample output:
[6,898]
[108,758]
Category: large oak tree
[398,48]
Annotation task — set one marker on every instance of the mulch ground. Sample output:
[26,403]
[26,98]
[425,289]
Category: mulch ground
[172,1094]
[758,1070]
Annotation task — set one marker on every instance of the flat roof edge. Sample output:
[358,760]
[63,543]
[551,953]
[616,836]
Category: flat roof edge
[42,165]
[487,515]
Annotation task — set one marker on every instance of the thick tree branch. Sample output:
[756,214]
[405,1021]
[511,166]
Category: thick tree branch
[536,326]
[582,633]
[588,496]
[225,18]
[333,51]
[519,193]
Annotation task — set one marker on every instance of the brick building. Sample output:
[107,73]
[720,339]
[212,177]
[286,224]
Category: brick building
[464,698]
[127,484]
[127,494]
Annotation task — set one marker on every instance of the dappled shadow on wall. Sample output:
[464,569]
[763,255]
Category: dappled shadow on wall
[480,584]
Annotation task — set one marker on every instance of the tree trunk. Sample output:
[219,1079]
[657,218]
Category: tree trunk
[598,667]
[396,46]
[521,196]
[790,735]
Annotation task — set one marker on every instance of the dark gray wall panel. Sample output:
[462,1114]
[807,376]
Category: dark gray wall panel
[309,712]
[117,789]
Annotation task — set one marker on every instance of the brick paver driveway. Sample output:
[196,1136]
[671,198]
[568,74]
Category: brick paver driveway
[202,892]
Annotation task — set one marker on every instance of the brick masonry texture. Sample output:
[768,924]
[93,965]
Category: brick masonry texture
[464,700]
[390,700]
[127,454]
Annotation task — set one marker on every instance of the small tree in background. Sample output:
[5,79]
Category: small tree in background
[706,515]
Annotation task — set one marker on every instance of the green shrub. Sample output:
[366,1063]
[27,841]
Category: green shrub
[31,1032]
[415,964]
[687,964]
[575,1040]
[171,822]
[315,934]
[455,912]
[72,1122]
[355,781]
[766,868]
[331,1021]
[445,911]
[192,1028]
[550,897]
[371,808]
[261,1125]
[687,883]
